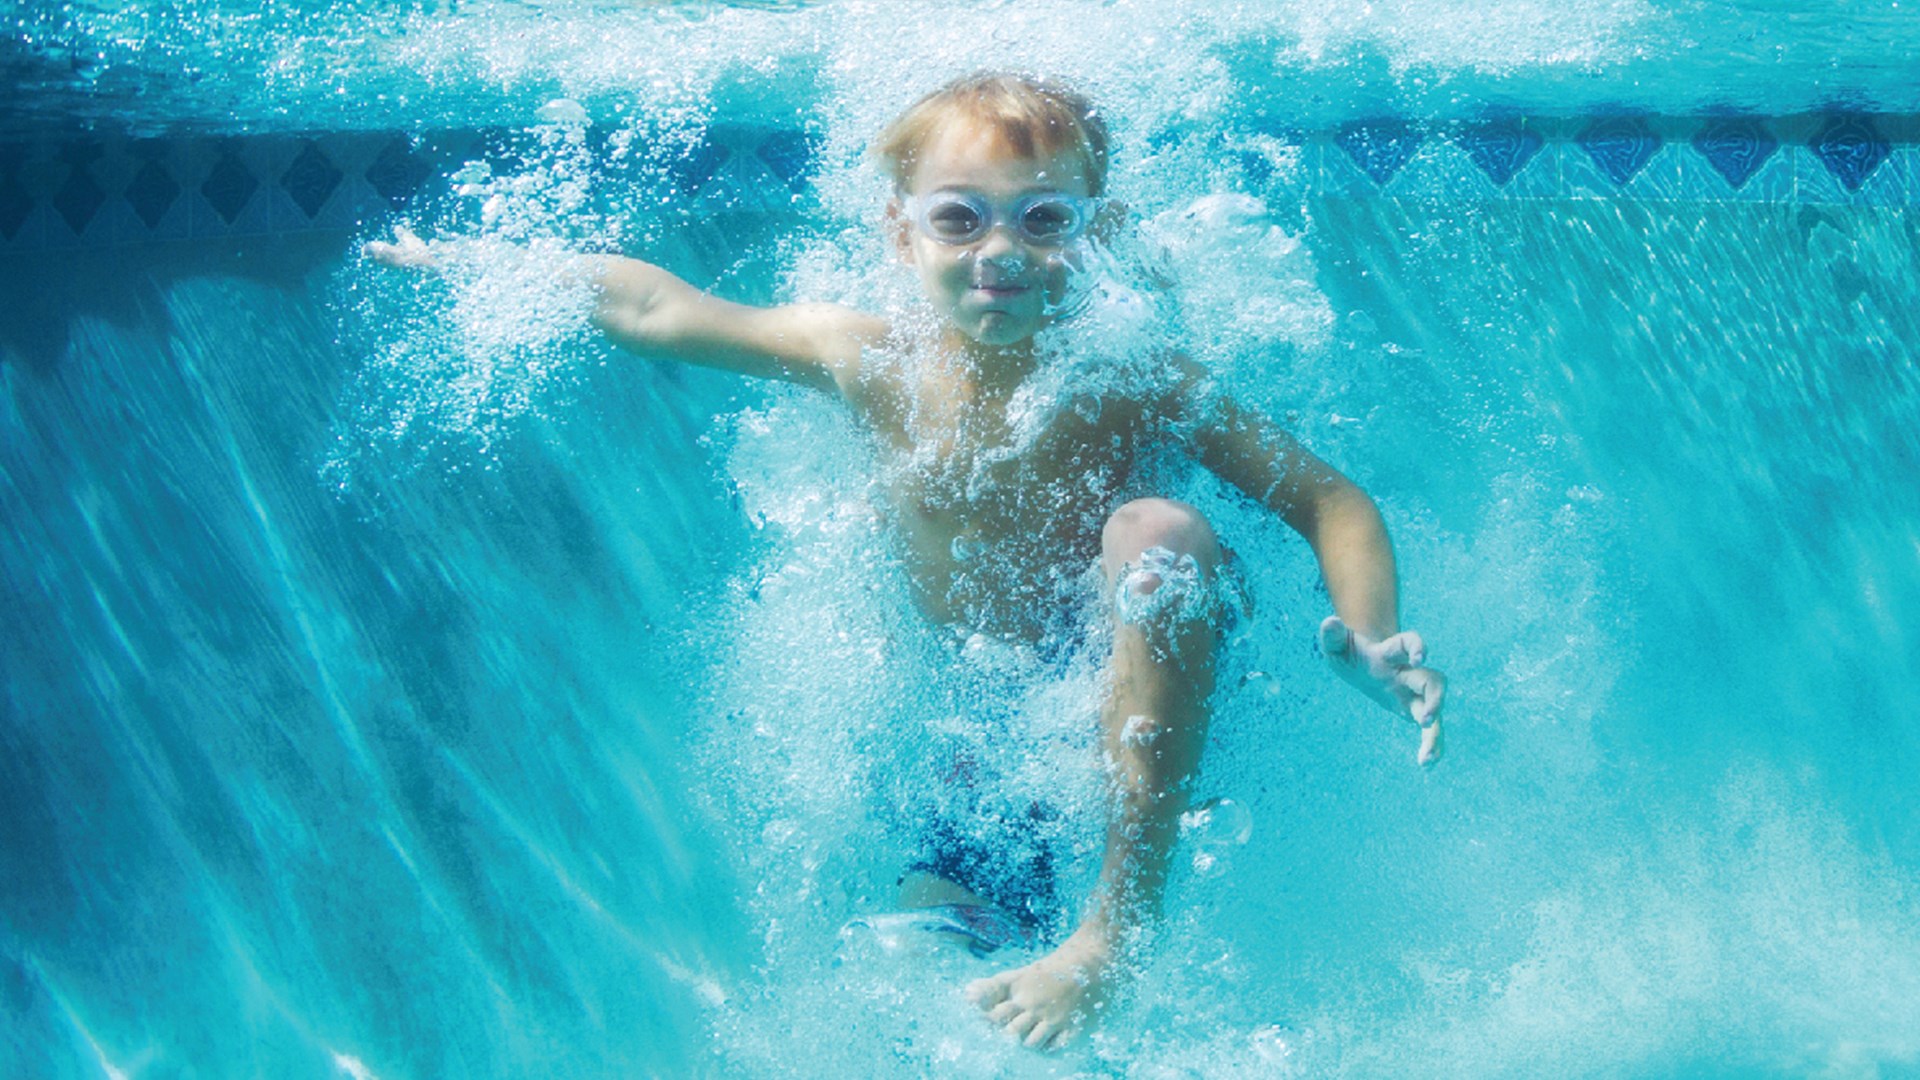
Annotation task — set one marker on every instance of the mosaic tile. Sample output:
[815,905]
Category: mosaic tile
[1500,148]
[80,196]
[356,199]
[312,178]
[1443,170]
[1886,185]
[1851,148]
[230,186]
[1330,170]
[1379,147]
[790,154]
[692,170]
[1771,181]
[1736,147]
[1620,146]
[225,193]
[152,192]
[397,172]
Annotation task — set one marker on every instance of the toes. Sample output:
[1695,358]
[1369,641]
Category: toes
[987,993]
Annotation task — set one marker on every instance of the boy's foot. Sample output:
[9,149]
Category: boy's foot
[980,929]
[1048,1003]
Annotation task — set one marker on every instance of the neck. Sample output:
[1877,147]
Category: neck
[994,369]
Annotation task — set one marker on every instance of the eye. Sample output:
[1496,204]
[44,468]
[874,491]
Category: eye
[954,218]
[1053,219]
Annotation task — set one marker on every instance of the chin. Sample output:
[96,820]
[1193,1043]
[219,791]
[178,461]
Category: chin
[1001,330]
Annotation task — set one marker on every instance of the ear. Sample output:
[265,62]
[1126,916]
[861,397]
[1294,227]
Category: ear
[899,230]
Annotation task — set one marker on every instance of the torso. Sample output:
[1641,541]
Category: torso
[998,524]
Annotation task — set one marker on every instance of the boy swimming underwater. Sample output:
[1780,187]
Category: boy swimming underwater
[998,180]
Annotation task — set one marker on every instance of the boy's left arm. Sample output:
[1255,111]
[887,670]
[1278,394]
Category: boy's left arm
[1362,640]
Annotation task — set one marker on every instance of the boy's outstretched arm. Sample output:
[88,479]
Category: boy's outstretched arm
[648,310]
[1362,640]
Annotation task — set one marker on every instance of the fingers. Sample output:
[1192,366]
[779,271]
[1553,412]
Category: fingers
[1042,1034]
[407,252]
[1429,744]
[1426,690]
[1405,649]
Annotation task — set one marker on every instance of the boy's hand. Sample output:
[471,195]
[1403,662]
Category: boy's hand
[407,252]
[1391,673]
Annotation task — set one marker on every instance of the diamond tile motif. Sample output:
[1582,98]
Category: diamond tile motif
[1380,148]
[1500,148]
[789,154]
[1736,147]
[1619,145]
[81,196]
[230,186]
[1851,147]
[695,168]
[311,179]
[152,192]
[397,172]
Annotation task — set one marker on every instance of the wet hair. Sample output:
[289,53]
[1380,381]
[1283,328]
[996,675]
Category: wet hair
[1033,115]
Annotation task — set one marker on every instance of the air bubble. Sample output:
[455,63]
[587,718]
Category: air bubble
[1215,828]
[563,111]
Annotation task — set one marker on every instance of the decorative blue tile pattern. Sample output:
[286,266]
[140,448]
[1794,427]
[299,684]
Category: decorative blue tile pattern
[1380,148]
[1850,147]
[398,172]
[1620,146]
[1736,147]
[79,198]
[311,179]
[789,154]
[114,190]
[152,192]
[230,185]
[693,169]
[1500,148]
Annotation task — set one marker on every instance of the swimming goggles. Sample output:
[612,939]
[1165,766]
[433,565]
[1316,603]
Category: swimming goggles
[1048,219]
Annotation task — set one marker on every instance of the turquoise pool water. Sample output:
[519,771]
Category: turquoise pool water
[399,684]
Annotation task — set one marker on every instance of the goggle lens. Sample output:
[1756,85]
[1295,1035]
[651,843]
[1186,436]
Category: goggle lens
[955,218]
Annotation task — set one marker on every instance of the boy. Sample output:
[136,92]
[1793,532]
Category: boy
[997,180]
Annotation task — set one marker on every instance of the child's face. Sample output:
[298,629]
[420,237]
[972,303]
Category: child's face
[1000,288]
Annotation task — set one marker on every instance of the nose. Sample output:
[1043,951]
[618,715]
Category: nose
[1000,247]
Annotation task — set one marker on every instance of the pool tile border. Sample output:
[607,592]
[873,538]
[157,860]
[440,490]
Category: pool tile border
[92,191]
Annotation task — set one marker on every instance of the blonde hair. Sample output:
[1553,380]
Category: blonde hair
[1034,116]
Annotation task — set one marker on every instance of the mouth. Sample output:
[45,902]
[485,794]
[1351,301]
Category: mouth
[1001,289]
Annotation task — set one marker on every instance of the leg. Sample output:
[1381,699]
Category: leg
[924,889]
[1160,559]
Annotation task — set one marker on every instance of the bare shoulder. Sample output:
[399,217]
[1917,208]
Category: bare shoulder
[837,336]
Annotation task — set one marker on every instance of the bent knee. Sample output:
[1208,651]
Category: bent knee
[1158,523]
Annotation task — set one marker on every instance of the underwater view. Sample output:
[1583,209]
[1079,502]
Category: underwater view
[402,679]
